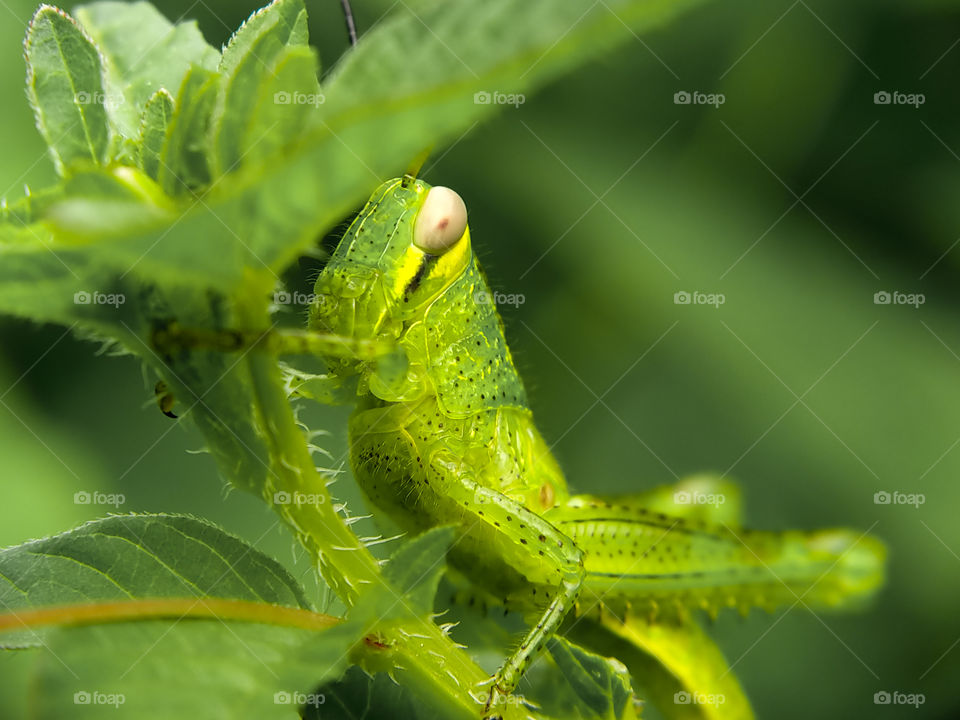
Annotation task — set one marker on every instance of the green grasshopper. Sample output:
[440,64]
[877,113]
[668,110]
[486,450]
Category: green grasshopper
[446,436]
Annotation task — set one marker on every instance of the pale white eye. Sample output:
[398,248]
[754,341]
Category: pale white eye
[441,222]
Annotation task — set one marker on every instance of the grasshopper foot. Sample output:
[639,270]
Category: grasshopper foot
[496,697]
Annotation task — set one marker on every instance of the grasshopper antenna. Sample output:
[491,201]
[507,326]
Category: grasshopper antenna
[415,166]
[351,26]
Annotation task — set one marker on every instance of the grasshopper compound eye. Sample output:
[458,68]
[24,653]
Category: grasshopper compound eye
[441,222]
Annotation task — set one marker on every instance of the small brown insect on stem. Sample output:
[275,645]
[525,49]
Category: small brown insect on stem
[375,642]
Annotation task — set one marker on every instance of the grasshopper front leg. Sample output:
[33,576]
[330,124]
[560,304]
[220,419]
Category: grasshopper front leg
[170,340]
[171,337]
[327,388]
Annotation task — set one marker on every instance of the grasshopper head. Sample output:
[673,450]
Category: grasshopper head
[404,249]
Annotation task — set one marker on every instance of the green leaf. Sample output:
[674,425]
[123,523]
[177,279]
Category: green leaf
[286,105]
[360,695]
[266,214]
[143,52]
[185,160]
[675,665]
[413,573]
[416,567]
[204,669]
[125,556]
[141,556]
[247,62]
[284,21]
[94,199]
[153,131]
[51,284]
[602,684]
[160,668]
[65,89]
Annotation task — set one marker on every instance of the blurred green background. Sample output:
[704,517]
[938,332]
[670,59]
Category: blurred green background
[597,200]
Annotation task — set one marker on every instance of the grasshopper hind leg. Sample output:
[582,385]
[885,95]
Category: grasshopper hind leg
[653,563]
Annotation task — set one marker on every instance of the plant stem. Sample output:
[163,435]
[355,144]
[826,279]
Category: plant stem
[420,651]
